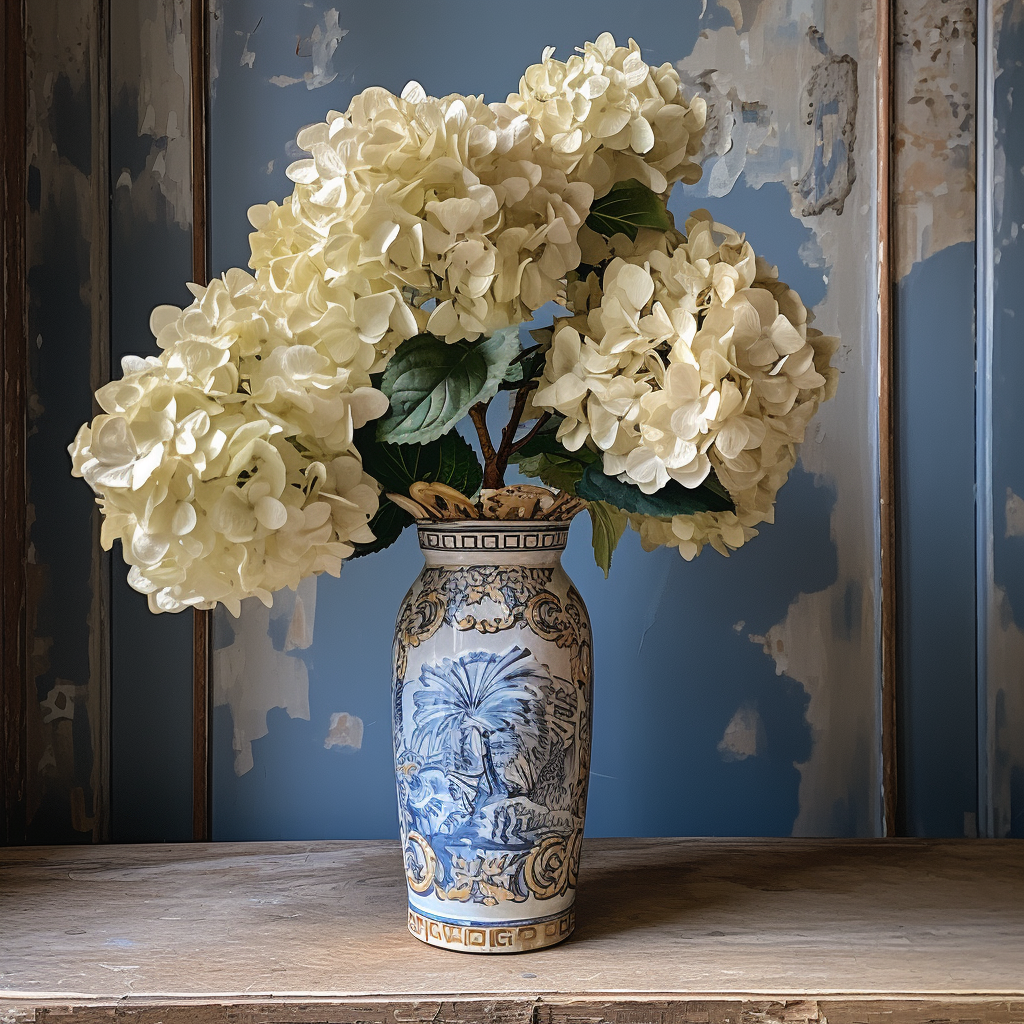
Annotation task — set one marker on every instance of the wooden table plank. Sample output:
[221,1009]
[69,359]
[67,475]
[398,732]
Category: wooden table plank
[710,929]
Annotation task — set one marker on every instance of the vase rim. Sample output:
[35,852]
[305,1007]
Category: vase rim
[484,535]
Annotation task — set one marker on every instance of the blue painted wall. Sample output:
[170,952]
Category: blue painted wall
[937,728]
[675,657]
[674,650]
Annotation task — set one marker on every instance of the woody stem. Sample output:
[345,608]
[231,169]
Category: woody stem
[478,414]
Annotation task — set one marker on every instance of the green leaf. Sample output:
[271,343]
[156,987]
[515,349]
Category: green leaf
[448,460]
[628,207]
[528,366]
[547,459]
[672,500]
[432,385]
[609,523]
[562,473]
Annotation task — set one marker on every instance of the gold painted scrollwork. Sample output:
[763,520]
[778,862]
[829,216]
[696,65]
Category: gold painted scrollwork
[521,592]
[566,626]
[420,863]
[418,621]
[553,866]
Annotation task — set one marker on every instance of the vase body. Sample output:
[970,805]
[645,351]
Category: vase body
[493,671]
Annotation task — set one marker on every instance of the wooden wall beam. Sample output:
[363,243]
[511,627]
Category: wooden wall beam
[887,421]
[13,334]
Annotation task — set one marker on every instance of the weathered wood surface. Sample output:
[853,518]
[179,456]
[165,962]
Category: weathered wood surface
[669,930]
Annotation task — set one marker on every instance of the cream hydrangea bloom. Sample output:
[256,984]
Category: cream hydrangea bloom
[607,116]
[225,466]
[420,198]
[688,356]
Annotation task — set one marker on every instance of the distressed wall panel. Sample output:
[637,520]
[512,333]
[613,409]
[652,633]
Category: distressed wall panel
[733,696]
[933,162]
[67,576]
[151,258]
[1002,739]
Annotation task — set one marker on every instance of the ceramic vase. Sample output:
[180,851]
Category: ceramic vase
[493,672]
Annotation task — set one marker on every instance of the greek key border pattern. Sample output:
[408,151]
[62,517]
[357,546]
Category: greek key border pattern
[549,539]
[498,938]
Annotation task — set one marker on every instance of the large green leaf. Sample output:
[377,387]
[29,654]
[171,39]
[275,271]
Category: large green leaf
[628,207]
[432,385]
[552,470]
[672,500]
[448,460]
[547,459]
[608,523]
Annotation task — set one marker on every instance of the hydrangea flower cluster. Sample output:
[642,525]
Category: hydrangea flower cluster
[607,116]
[225,465]
[446,200]
[687,355]
[389,286]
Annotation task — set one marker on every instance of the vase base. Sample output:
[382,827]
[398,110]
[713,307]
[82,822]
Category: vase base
[492,936]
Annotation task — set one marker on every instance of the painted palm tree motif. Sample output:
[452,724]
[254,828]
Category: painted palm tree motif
[488,758]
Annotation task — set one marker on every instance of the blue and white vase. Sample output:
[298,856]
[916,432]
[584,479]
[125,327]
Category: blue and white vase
[493,671]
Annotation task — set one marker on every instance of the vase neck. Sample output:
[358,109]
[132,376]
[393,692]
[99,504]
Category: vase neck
[490,542]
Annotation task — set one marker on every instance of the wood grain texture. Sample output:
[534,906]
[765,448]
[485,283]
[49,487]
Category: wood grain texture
[887,511]
[241,928]
[13,334]
[620,1009]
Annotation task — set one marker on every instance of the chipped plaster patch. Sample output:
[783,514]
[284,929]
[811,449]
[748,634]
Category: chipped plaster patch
[933,142]
[1014,514]
[248,58]
[155,74]
[251,676]
[796,125]
[1005,754]
[320,47]
[744,736]
[59,702]
[346,731]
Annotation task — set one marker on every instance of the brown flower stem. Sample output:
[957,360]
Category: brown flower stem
[529,435]
[478,414]
[496,460]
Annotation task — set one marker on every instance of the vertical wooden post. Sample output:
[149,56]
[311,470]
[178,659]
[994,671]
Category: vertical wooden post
[13,334]
[886,420]
[202,620]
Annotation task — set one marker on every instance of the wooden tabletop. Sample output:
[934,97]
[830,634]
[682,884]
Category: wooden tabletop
[668,930]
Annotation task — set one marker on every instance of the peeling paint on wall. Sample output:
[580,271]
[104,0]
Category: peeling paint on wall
[772,128]
[253,674]
[319,47]
[150,85]
[1014,510]
[744,736]
[934,85]
[832,102]
[346,731]
[795,125]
